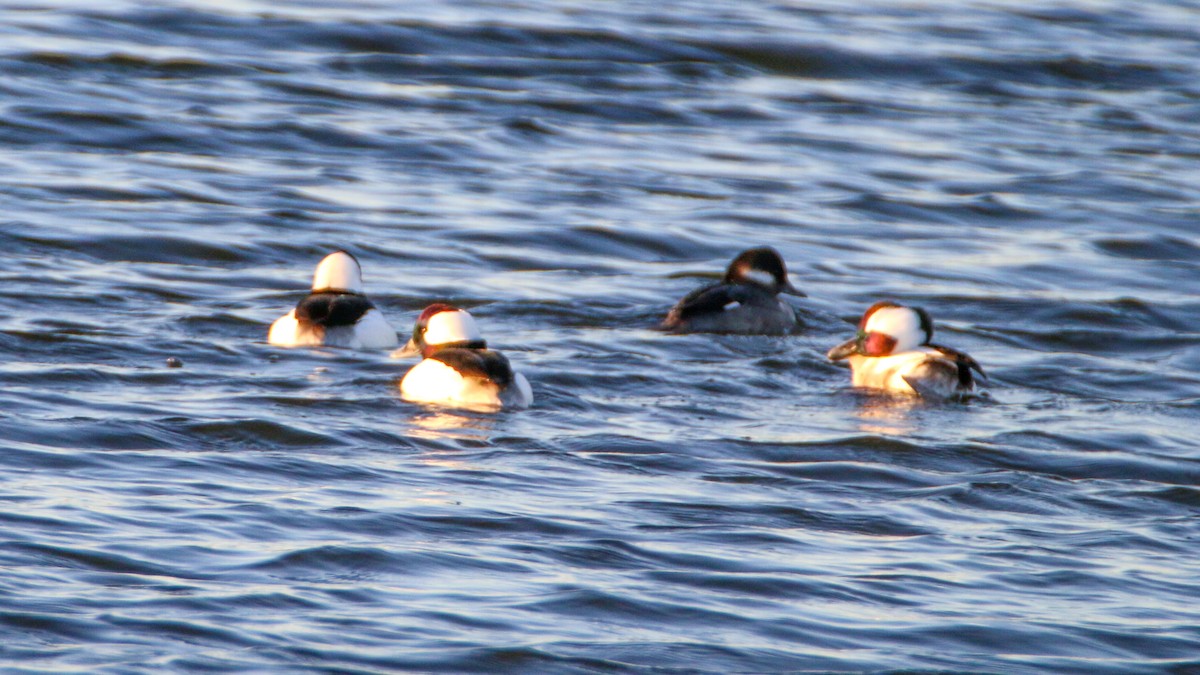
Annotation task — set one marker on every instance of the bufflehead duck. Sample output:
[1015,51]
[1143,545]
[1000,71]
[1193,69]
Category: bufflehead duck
[458,368]
[336,313]
[745,302]
[892,351]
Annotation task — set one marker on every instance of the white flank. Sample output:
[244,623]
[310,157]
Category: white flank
[374,332]
[932,372]
[432,381]
[520,394]
[286,332]
[885,372]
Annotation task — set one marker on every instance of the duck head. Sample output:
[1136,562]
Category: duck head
[339,271]
[886,328]
[441,326]
[762,266]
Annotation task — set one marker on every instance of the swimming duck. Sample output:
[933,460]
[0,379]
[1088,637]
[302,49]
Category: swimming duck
[893,351]
[745,302]
[336,313]
[458,368]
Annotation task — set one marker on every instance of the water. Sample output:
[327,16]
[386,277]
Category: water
[172,174]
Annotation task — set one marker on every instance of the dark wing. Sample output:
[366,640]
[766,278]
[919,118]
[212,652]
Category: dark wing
[964,363]
[707,300]
[333,309]
[481,363]
[936,379]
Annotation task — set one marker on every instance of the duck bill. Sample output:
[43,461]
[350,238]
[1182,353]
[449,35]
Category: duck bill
[406,351]
[792,290]
[845,350]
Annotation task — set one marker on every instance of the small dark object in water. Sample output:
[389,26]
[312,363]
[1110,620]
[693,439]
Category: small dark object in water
[173,362]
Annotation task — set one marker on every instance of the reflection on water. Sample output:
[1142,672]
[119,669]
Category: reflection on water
[319,375]
[888,414]
[452,423]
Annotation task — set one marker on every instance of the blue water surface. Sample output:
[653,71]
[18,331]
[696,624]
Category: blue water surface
[171,172]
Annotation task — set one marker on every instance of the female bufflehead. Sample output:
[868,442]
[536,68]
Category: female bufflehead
[458,368]
[336,313]
[892,351]
[745,302]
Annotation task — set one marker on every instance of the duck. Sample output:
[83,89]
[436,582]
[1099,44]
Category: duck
[893,351]
[745,302]
[457,368]
[336,313]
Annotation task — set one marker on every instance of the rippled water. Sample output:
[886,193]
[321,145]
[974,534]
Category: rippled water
[567,170]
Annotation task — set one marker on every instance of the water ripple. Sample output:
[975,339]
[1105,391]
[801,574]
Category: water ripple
[671,503]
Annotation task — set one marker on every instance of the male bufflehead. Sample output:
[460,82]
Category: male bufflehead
[746,301]
[892,351]
[336,313]
[458,368]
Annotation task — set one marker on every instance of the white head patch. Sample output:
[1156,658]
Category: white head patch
[902,323]
[455,326]
[760,277]
[338,270]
